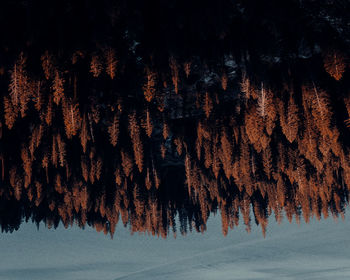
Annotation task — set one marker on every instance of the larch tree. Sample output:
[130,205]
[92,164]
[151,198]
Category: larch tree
[54,151]
[162,150]
[58,87]
[188,172]
[147,123]
[113,130]
[224,81]
[174,73]
[290,127]
[84,134]
[47,65]
[267,162]
[208,156]
[111,62]
[61,150]
[334,64]
[216,166]
[135,136]
[254,126]
[246,86]
[227,153]
[93,167]
[156,178]
[126,163]
[178,144]
[149,88]
[84,169]
[165,130]
[317,101]
[11,112]
[71,117]
[49,111]
[38,95]
[99,165]
[187,68]
[207,105]
[96,66]
[27,166]
[118,176]
[262,101]
[19,80]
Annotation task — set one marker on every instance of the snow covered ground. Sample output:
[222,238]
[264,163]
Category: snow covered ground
[319,250]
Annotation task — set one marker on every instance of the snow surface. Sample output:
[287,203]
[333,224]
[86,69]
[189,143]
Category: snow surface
[319,250]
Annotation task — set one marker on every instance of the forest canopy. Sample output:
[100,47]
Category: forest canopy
[157,112]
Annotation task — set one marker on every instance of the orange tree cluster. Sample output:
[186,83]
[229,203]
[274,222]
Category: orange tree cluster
[84,141]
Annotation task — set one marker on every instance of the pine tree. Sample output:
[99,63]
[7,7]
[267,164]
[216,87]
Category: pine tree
[84,134]
[174,73]
[61,150]
[208,105]
[216,161]
[224,81]
[99,164]
[47,65]
[84,169]
[71,117]
[38,96]
[95,66]
[58,87]
[118,176]
[156,178]
[27,166]
[165,130]
[290,126]
[262,101]
[254,126]
[148,182]
[246,86]
[49,111]
[113,131]
[54,151]
[187,68]
[334,64]
[149,88]
[267,162]
[188,172]
[162,150]
[93,167]
[11,112]
[178,145]
[19,81]
[227,153]
[126,163]
[147,123]
[111,62]
[134,131]
[208,156]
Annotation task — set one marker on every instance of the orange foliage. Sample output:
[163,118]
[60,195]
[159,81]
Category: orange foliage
[111,62]
[113,131]
[174,74]
[47,64]
[71,117]
[334,64]
[58,87]
[95,66]
[149,88]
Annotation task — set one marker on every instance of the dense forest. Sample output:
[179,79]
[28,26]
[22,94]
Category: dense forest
[161,113]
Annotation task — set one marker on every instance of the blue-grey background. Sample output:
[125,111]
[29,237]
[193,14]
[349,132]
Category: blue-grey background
[319,250]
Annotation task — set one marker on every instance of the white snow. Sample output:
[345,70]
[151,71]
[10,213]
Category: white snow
[319,250]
